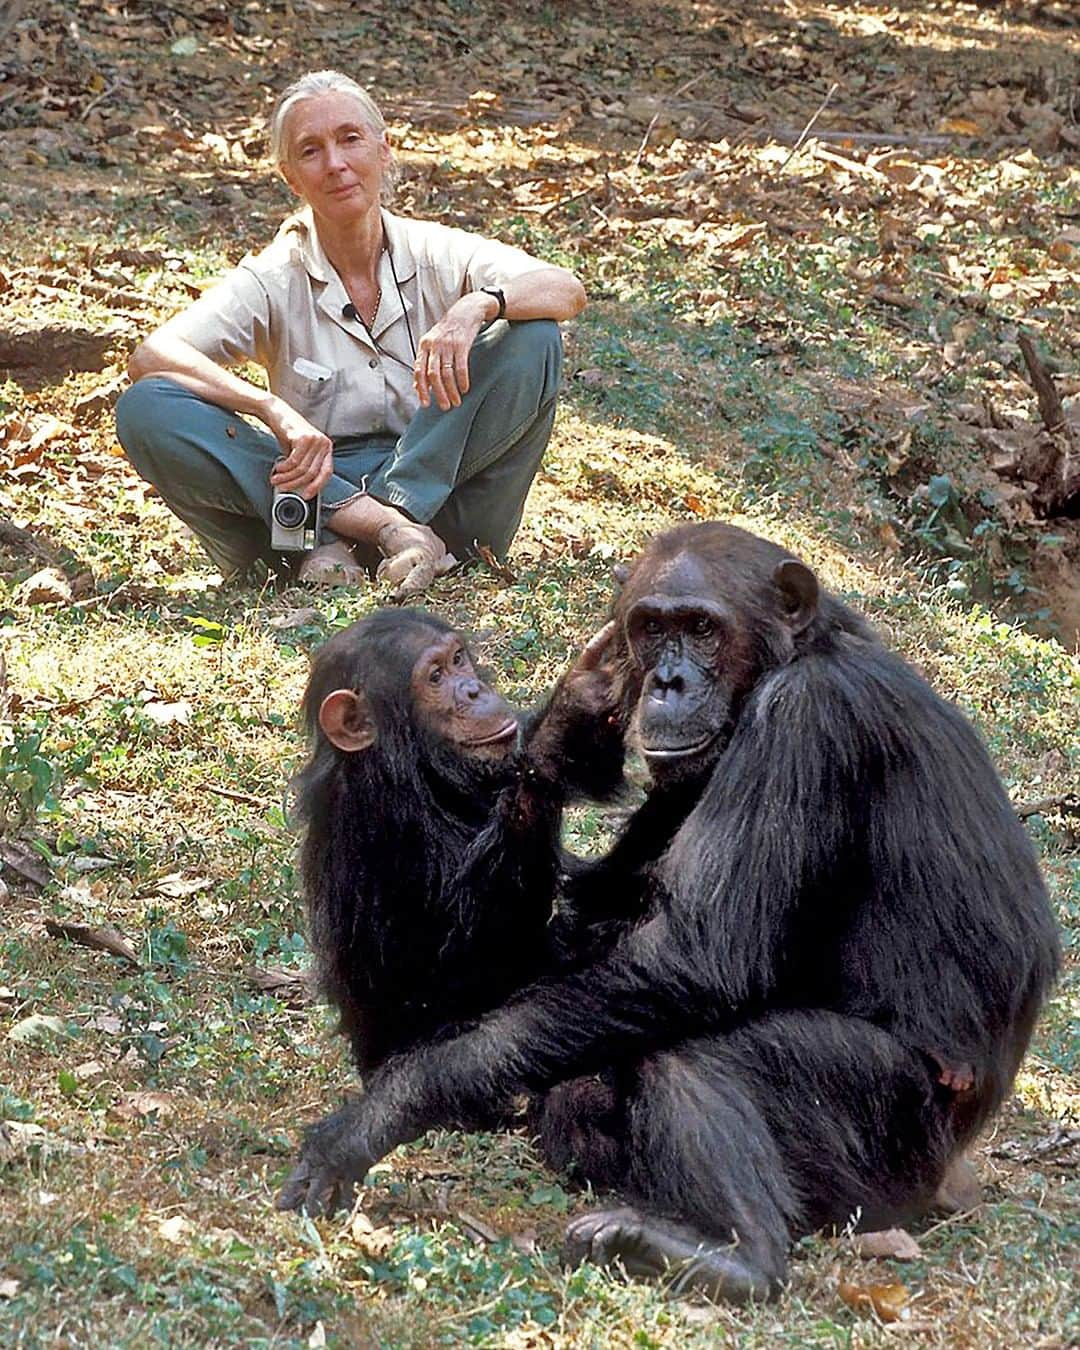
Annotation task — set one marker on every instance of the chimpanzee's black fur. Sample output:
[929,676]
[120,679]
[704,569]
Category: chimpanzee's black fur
[841,902]
[426,907]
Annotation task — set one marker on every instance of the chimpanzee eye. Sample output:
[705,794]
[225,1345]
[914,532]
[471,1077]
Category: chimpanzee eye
[702,626]
[459,656]
[652,627]
[435,675]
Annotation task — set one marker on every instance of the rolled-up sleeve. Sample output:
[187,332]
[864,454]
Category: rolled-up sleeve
[493,264]
[230,323]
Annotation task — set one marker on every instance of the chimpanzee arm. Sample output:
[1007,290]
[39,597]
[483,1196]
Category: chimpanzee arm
[574,744]
[616,885]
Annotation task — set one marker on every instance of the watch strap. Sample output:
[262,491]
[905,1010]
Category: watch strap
[497,293]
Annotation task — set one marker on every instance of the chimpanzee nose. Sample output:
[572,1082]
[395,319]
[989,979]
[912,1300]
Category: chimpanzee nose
[472,689]
[665,678]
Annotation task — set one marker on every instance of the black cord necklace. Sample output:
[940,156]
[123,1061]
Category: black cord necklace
[351,313]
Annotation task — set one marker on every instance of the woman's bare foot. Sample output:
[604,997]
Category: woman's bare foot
[331,565]
[414,556]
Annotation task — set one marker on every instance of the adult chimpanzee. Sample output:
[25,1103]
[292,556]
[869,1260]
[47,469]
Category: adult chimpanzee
[431,849]
[846,942]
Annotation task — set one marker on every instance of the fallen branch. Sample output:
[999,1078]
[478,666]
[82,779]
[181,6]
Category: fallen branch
[1050,409]
[1059,478]
[121,298]
[23,862]
[1066,803]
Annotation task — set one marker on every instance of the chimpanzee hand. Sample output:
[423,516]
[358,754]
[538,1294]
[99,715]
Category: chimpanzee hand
[586,693]
[578,740]
[334,1159]
[589,685]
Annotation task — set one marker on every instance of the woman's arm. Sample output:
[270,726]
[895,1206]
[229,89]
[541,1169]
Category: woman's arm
[546,293]
[442,358]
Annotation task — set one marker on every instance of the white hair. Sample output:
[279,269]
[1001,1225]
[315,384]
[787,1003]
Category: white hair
[312,85]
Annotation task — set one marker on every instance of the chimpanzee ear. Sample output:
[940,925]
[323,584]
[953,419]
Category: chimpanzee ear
[799,588]
[620,572]
[346,720]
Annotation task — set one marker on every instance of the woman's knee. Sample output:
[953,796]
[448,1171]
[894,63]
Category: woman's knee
[141,414]
[539,342]
[531,349]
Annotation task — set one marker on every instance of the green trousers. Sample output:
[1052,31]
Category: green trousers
[466,471]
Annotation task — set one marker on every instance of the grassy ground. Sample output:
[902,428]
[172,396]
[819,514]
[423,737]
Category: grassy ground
[804,344]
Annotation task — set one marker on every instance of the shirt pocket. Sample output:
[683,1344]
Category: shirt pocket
[313,399]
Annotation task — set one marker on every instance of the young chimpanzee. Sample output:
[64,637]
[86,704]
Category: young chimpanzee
[431,847]
[846,940]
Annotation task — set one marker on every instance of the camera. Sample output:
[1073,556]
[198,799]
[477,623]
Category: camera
[294,522]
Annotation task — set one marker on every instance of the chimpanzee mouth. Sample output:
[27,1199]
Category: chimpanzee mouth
[667,753]
[504,733]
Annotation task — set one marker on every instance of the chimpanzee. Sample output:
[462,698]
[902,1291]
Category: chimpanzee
[845,945]
[431,849]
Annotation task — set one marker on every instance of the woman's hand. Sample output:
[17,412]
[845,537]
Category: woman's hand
[308,460]
[442,354]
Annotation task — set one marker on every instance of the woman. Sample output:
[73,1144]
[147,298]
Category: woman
[394,393]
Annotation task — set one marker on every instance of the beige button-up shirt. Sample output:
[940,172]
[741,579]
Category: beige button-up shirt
[283,308]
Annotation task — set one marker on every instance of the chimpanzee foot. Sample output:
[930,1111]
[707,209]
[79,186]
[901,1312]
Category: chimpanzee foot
[960,1188]
[661,1249]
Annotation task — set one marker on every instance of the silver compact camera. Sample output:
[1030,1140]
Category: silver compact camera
[294,522]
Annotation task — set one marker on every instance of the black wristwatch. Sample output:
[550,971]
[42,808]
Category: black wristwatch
[494,290]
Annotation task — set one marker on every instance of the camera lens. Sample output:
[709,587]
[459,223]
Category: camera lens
[290,510]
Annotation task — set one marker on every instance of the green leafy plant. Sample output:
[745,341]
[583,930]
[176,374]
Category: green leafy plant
[29,780]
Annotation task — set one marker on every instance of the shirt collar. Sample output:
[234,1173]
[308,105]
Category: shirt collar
[301,227]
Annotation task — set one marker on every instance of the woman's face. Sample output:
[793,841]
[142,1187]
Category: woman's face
[335,159]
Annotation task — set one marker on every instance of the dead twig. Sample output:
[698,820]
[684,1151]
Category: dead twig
[248,798]
[809,126]
[1067,803]
[102,597]
[665,103]
[106,938]
[494,565]
[99,99]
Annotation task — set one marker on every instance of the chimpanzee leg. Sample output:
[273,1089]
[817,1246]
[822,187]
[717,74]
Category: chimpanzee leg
[715,1206]
[736,1145]
[858,1118]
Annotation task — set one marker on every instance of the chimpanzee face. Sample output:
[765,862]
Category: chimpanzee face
[452,702]
[700,628]
[691,659]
